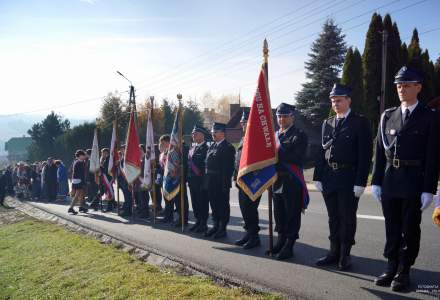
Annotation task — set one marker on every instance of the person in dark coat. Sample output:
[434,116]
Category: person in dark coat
[196,172]
[248,208]
[50,180]
[2,187]
[341,173]
[78,183]
[405,175]
[141,196]
[288,190]
[219,170]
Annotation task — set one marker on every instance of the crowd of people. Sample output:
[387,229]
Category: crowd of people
[404,179]
[40,180]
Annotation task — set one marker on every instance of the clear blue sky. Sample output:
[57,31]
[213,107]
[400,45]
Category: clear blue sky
[56,52]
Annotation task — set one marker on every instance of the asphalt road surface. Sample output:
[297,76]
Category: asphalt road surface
[297,277]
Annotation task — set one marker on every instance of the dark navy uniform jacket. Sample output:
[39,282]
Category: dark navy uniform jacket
[345,156]
[292,151]
[196,161]
[418,142]
[220,165]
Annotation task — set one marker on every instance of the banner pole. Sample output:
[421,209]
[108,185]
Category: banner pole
[153,167]
[182,183]
[270,196]
[117,167]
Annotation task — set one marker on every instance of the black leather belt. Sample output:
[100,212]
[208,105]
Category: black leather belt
[337,166]
[397,163]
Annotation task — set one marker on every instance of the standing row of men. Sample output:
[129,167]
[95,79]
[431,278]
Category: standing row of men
[404,179]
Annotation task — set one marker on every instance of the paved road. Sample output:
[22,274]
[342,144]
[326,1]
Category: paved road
[298,276]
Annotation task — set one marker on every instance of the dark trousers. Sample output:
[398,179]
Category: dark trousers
[176,203]
[199,200]
[220,207]
[287,211]
[249,211]
[126,207]
[341,206]
[142,199]
[402,227]
[51,191]
[158,191]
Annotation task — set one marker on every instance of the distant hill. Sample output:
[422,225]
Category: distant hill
[17,126]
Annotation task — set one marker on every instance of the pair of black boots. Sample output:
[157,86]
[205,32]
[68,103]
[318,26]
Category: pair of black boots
[283,249]
[395,275]
[249,241]
[339,254]
[74,212]
[199,227]
[217,231]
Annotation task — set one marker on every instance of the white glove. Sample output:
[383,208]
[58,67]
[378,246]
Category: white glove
[358,191]
[318,185]
[437,200]
[376,190]
[426,200]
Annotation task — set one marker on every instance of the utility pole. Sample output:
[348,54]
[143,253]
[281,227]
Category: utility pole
[384,71]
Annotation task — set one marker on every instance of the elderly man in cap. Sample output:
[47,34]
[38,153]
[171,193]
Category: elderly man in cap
[405,175]
[219,167]
[288,191]
[248,208]
[341,173]
[50,180]
[196,171]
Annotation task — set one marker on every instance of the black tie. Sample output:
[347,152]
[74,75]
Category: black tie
[406,117]
[339,122]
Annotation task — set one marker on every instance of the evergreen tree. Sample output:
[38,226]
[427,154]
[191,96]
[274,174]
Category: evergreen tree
[322,71]
[394,61]
[352,76]
[191,116]
[404,54]
[168,116]
[437,78]
[427,92]
[415,53]
[372,61]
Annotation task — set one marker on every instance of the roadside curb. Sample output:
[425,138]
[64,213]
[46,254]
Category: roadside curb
[144,253]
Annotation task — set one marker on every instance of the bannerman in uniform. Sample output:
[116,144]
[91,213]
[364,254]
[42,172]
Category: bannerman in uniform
[219,169]
[341,173]
[249,208]
[289,191]
[196,171]
[405,175]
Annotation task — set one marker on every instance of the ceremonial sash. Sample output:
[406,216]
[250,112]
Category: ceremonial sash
[296,173]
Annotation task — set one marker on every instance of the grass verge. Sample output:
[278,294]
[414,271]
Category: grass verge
[41,260]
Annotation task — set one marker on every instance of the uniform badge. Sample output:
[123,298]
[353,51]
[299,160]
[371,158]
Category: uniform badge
[393,131]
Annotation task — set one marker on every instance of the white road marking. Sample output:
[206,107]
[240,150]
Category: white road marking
[368,217]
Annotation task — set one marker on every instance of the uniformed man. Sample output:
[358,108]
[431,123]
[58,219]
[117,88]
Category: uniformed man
[289,190]
[196,171]
[140,191]
[219,169]
[248,208]
[405,176]
[341,173]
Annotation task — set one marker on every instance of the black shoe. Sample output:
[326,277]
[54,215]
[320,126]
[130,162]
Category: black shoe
[201,229]
[72,211]
[400,282]
[243,240]
[344,258]
[221,233]
[387,277]
[211,231]
[278,246]
[253,242]
[83,209]
[287,250]
[331,257]
[125,214]
[195,226]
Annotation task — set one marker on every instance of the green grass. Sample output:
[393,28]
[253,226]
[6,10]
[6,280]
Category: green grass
[41,260]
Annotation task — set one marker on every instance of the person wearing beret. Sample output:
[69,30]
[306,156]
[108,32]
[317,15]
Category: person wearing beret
[288,189]
[219,167]
[196,172]
[248,208]
[341,173]
[405,174]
